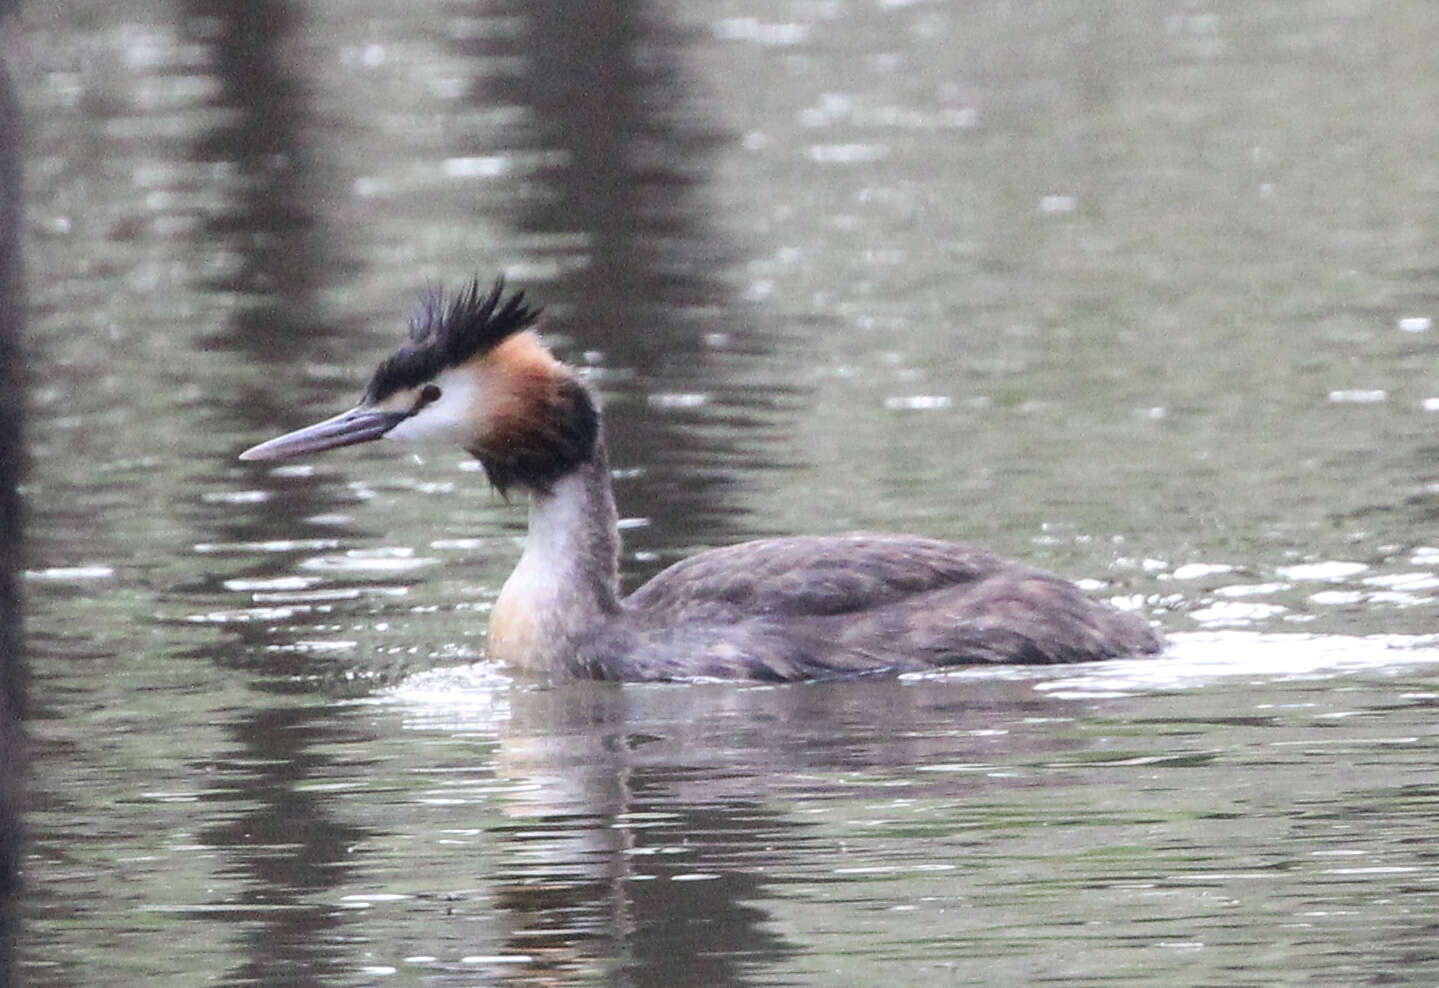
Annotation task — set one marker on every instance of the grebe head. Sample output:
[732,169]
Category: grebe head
[472,374]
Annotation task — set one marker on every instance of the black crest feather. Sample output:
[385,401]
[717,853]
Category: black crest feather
[446,333]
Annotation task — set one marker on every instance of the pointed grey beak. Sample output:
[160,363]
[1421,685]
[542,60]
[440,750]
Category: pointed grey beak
[358,425]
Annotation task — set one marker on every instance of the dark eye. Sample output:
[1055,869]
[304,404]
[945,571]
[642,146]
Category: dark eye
[429,393]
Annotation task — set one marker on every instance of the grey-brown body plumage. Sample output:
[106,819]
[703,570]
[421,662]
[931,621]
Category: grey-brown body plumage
[799,608]
[778,609]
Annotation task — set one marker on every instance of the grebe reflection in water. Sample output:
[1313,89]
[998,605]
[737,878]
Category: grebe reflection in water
[474,374]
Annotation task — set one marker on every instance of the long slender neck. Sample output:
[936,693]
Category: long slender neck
[567,579]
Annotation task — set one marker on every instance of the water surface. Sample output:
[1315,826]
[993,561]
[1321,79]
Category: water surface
[1142,295]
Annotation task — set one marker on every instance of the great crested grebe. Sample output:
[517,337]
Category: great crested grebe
[475,375]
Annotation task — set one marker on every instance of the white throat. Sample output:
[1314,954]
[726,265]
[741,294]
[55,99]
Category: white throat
[557,526]
[565,584]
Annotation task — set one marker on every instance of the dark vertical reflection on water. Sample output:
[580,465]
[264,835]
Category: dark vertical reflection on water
[271,228]
[285,847]
[616,207]
[281,254]
[594,879]
[284,843]
[703,932]
[640,842]
[12,659]
[657,930]
[616,204]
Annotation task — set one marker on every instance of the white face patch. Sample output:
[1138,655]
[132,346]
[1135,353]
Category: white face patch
[451,419]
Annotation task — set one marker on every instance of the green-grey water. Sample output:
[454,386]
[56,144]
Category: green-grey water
[1139,292]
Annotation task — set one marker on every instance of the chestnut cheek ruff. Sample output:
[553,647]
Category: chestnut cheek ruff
[539,444]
